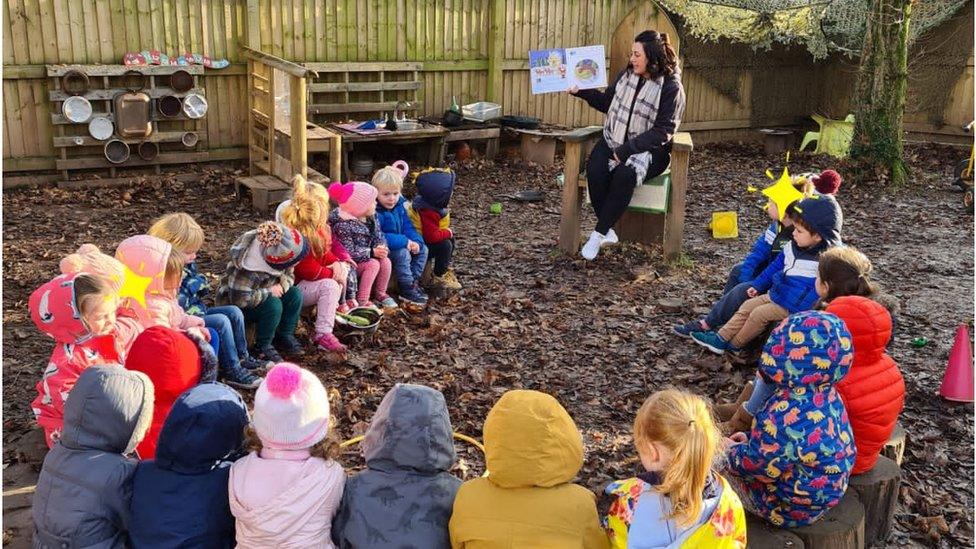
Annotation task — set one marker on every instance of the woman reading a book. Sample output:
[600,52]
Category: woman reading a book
[644,105]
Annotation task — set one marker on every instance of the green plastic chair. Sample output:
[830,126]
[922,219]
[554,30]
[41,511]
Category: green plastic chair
[834,137]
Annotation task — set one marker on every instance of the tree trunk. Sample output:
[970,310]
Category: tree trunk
[882,82]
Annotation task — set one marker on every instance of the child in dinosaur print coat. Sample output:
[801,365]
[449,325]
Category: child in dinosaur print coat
[795,462]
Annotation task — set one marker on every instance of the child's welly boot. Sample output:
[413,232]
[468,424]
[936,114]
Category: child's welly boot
[724,411]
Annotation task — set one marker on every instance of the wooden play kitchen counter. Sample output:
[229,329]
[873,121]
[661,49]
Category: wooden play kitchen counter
[573,181]
[434,136]
[469,131]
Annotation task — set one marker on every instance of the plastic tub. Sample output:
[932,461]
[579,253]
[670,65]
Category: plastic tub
[481,111]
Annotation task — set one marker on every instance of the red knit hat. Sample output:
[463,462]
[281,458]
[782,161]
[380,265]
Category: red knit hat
[172,362]
[828,182]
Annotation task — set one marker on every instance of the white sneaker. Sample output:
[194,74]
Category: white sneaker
[611,238]
[592,246]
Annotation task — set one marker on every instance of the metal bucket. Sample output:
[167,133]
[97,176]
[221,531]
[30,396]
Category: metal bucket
[133,80]
[170,106]
[148,150]
[116,151]
[362,166]
[190,139]
[181,81]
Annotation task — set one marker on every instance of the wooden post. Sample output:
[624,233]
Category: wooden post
[250,116]
[299,143]
[674,222]
[496,51]
[878,491]
[253,24]
[272,115]
[763,535]
[842,527]
[569,220]
[335,157]
[895,447]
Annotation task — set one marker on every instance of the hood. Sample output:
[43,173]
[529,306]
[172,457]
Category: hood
[824,216]
[204,426]
[530,440]
[869,323]
[109,409]
[434,188]
[169,358]
[145,256]
[54,310]
[810,349]
[410,430]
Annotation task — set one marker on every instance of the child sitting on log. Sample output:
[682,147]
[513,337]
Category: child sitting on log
[432,218]
[794,464]
[408,253]
[680,501]
[789,279]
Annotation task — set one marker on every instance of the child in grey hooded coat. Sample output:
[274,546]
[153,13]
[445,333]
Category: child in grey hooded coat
[85,487]
[405,496]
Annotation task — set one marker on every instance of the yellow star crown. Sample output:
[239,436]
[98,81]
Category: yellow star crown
[134,286]
[782,192]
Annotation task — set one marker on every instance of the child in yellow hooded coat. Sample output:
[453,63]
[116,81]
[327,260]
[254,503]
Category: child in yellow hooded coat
[533,451]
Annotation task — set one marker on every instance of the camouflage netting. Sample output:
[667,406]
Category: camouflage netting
[821,26]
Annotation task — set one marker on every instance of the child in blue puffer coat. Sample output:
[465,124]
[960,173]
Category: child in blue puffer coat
[408,253]
[790,279]
[795,462]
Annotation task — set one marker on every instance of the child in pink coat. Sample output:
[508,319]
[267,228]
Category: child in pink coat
[286,492]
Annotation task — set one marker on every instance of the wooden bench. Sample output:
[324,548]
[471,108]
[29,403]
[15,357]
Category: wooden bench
[667,227]
[360,91]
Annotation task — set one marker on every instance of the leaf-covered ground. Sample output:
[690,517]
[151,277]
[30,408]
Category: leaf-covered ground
[596,335]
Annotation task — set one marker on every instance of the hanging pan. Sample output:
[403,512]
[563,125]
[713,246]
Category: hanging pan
[170,106]
[194,105]
[132,114]
[74,82]
[116,151]
[181,81]
[148,150]
[101,128]
[190,139]
[77,109]
[133,80]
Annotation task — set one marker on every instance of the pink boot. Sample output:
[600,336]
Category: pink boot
[329,342]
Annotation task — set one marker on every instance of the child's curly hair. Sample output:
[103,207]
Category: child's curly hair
[327,448]
[308,213]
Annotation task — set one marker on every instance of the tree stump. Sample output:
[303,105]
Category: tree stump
[840,528]
[877,490]
[762,535]
[895,447]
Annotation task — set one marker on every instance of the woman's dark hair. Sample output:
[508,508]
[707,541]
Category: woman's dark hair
[661,57]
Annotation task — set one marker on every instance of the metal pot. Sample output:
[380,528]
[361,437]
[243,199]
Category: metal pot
[190,139]
[148,150]
[181,81]
[77,109]
[170,106]
[74,82]
[116,151]
[133,80]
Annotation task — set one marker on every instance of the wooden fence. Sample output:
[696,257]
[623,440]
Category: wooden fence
[454,39]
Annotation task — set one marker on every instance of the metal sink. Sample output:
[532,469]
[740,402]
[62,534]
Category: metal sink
[409,126]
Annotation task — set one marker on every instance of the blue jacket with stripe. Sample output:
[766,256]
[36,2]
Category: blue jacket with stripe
[767,246]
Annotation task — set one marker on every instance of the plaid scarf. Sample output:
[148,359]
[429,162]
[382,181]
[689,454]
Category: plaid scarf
[616,132]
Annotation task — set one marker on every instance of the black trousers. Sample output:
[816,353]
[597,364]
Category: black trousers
[610,192]
[441,254]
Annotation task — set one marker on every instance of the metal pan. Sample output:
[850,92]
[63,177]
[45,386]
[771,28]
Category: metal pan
[77,109]
[181,81]
[148,150]
[74,82]
[194,105]
[116,151]
[170,106]
[101,128]
[133,80]
[190,139]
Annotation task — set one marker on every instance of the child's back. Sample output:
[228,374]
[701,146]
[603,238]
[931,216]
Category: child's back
[405,495]
[83,492]
[180,498]
[533,451]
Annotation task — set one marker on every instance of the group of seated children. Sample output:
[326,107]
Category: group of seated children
[222,477]
[273,272]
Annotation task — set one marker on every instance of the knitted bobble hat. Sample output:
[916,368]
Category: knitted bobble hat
[354,198]
[291,409]
[281,247]
[828,182]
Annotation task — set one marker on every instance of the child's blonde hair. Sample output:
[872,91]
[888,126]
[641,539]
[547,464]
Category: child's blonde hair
[89,289]
[846,271]
[682,423]
[308,213]
[179,229]
[174,269]
[388,178]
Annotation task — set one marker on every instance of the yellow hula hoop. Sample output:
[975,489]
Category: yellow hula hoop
[473,441]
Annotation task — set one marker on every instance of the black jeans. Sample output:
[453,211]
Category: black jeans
[441,254]
[610,192]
